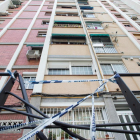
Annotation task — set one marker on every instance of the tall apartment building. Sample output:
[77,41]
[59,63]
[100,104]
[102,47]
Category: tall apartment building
[70,40]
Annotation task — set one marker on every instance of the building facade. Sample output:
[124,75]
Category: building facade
[71,40]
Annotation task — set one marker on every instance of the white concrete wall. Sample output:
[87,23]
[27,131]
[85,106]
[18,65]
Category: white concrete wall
[133,4]
[4,5]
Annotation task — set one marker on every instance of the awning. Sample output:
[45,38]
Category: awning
[100,35]
[35,45]
[83,35]
[67,22]
[86,7]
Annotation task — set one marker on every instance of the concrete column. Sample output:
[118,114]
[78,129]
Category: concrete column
[112,116]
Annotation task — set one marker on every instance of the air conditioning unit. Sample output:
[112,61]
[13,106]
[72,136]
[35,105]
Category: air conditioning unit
[12,6]
[33,54]
[134,17]
[4,13]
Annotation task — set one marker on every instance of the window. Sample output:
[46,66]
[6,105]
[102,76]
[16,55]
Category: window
[77,116]
[1,21]
[82,70]
[90,16]
[66,7]
[45,22]
[118,16]
[42,33]
[126,116]
[113,10]
[137,36]
[94,25]
[48,13]
[51,2]
[127,25]
[50,7]
[105,49]
[66,14]
[58,72]
[11,123]
[10,12]
[111,68]
[79,40]
[26,80]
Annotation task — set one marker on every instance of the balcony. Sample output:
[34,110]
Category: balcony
[77,39]
[66,14]
[67,24]
[102,43]
[94,25]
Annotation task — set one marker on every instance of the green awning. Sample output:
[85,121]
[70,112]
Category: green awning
[35,45]
[69,35]
[67,21]
[93,21]
[99,35]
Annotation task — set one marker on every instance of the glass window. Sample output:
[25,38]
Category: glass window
[82,70]
[105,50]
[90,16]
[28,85]
[58,72]
[111,68]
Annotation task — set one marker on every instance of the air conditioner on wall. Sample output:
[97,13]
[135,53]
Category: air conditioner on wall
[33,54]
[4,13]
[134,17]
[12,6]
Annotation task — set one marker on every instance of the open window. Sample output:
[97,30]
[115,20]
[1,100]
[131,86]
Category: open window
[83,2]
[127,24]
[48,13]
[66,6]
[1,21]
[88,14]
[77,39]
[102,43]
[67,24]
[41,33]
[45,22]
[94,25]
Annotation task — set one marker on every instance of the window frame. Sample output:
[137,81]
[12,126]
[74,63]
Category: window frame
[111,64]
[41,34]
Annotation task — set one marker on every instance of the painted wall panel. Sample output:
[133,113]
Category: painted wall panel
[69,50]
[66,18]
[21,23]
[12,36]
[32,8]
[6,53]
[33,37]
[38,24]
[36,2]
[27,14]
[4,23]
[70,88]
[42,15]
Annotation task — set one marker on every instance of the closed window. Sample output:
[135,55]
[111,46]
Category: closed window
[82,70]
[118,16]
[137,36]
[26,82]
[50,7]
[105,50]
[58,72]
[90,16]
[111,68]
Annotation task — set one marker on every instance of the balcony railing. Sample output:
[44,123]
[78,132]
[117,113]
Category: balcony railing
[67,26]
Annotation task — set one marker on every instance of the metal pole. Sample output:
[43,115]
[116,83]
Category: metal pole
[28,109]
[132,101]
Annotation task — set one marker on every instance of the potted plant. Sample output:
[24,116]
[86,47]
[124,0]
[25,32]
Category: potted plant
[52,136]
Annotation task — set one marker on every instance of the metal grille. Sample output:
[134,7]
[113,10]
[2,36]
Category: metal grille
[110,68]
[82,70]
[127,117]
[58,72]
[77,116]
[11,123]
